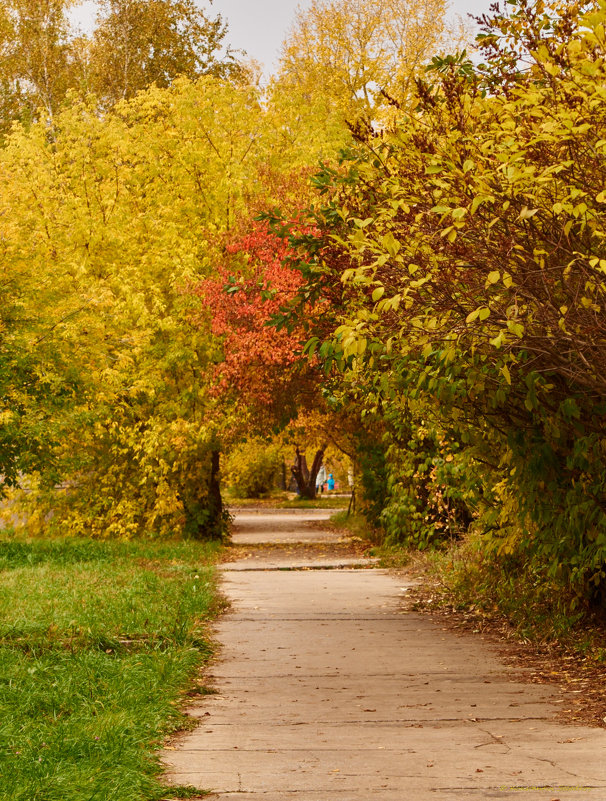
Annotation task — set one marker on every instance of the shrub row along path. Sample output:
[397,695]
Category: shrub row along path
[329,687]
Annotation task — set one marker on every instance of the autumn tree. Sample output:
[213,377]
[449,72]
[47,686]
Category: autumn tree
[138,43]
[36,67]
[134,45]
[469,246]
[347,53]
[104,227]
[261,371]
[241,298]
[306,128]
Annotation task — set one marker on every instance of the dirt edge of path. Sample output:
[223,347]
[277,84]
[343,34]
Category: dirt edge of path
[580,680]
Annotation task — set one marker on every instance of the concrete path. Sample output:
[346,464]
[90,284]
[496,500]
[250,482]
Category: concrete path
[330,689]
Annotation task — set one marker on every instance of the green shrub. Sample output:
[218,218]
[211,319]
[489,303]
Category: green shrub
[254,468]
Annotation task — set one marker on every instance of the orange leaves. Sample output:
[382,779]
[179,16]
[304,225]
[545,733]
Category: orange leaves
[246,292]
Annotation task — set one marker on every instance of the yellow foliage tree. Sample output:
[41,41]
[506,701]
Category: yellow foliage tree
[348,51]
[36,68]
[105,226]
[138,43]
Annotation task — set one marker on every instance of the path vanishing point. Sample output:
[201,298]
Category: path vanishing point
[329,687]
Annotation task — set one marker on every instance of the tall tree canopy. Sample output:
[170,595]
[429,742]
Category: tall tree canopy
[138,43]
[36,67]
[350,50]
[469,248]
[103,228]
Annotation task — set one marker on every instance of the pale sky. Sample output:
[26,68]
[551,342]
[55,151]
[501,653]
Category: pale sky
[259,26]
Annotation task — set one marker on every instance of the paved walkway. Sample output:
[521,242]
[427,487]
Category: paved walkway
[330,689]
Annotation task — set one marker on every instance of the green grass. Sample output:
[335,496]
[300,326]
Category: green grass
[323,501]
[289,500]
[355,525]
[99,642]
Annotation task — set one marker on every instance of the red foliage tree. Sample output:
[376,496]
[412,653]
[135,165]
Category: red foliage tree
[262,367]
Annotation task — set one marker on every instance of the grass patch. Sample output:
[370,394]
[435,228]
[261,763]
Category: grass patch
[184,792]
[323,501]
[289,500]
[355,525]
[99,642]
[392,556]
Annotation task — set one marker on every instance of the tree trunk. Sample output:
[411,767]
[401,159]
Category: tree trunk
[205,515]
[306,478]
[215,501]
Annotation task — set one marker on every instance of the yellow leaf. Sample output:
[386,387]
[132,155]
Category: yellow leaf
[527,213]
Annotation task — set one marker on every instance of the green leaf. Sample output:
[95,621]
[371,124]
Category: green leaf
[311,346]
[516,328]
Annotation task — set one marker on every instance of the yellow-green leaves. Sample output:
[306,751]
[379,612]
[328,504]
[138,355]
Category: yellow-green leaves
[500,275]
[493,277]
[391,245]
[351,51]
[47,61]
[516,328]
[481,314]
[479,200]
[106,229]
[140,43]
[378,293]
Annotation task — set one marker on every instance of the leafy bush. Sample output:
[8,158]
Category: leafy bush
[254,468]
[432,493]
[468,246]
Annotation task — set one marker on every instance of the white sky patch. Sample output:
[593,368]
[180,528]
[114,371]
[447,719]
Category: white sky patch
[84,15]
